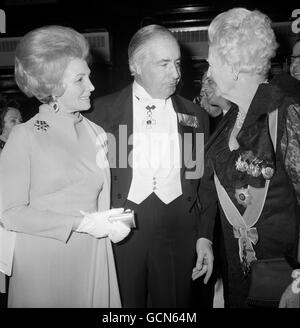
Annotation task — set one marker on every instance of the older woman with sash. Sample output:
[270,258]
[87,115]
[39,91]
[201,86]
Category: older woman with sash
[251,169]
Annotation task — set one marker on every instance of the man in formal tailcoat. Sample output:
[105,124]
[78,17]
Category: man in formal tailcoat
[155,142]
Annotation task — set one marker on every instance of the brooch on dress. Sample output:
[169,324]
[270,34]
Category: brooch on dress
[243,196]
[41,125]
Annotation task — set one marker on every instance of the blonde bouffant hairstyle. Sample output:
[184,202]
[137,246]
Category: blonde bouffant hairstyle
[244,39]
[42,56]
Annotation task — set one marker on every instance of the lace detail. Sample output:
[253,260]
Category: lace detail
[290,146]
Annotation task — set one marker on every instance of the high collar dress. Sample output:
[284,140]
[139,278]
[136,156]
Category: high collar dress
[52,167]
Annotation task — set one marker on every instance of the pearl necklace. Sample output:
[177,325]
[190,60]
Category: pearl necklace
[240,119]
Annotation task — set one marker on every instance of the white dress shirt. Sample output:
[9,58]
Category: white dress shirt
[156,152]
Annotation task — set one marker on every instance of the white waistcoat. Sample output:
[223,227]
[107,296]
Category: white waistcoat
[156,152]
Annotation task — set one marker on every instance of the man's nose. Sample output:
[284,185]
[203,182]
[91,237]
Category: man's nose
[175,71]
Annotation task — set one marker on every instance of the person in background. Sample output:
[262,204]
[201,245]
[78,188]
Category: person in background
[55,182]
[10,115]
[295,61]
[251,169]
[155,264]
[291,86]
[210,100]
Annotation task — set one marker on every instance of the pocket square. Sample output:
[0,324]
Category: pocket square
[188,120]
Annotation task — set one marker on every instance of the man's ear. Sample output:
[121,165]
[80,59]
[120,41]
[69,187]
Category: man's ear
[135,69]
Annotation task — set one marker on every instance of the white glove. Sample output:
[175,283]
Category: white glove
[118,231]
[98,225]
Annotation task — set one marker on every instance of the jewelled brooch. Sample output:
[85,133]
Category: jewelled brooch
[41,125]
[243,196]
[150,121]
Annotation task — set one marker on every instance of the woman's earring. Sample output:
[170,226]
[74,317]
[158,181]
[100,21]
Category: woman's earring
[235,74]
[55,106]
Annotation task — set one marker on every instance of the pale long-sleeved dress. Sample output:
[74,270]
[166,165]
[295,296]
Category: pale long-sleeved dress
[52,167]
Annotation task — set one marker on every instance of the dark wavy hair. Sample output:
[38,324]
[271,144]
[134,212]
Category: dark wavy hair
[5,104]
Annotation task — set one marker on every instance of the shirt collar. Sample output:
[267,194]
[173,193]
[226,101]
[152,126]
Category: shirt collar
[142,95]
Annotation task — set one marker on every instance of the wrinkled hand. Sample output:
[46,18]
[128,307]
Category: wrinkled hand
[205,259]
[98,225]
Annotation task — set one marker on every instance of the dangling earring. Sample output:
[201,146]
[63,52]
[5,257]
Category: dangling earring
[55,106]
[235,74]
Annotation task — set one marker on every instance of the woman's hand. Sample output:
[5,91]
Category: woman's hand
[98,225]
[205,259]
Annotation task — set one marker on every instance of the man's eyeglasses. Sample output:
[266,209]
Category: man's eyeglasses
[293,58]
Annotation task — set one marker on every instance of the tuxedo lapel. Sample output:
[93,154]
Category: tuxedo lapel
[121,128]
[122,113]
[186,135]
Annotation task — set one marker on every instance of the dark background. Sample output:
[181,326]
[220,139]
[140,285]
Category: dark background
[122,19]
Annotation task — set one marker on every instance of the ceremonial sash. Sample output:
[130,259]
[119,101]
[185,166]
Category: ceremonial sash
[243,229]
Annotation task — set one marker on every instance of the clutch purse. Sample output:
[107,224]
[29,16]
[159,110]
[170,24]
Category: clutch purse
[268,280]
[126,217]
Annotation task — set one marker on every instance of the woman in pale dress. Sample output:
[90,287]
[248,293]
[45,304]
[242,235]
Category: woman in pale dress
[55,182]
